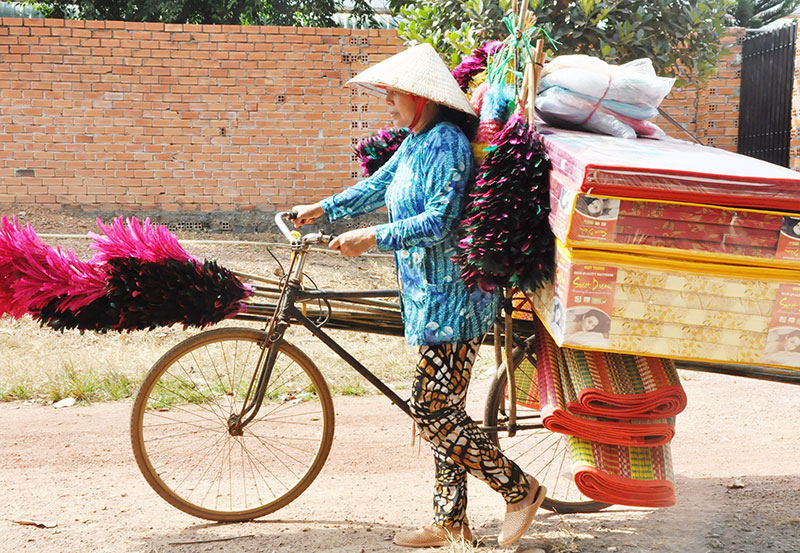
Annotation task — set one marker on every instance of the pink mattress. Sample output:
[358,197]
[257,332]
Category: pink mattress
[670,170]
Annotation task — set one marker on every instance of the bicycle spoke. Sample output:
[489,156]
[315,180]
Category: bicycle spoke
[183,431]
[271,449]
[284,405]
[216,371]
[186,399]
[180,460]
[289,445]
[194,415]
[203,375]
[254,465]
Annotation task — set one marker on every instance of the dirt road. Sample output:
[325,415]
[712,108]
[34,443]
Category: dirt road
[73,468]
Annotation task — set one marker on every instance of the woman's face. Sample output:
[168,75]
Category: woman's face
[590,322]
[595,207]
[401,107]
[793,343]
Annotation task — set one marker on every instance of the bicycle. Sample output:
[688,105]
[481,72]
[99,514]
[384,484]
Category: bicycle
[235,423]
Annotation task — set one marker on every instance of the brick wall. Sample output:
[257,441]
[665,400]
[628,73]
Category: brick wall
[711,112]
[107,116]
[197,121]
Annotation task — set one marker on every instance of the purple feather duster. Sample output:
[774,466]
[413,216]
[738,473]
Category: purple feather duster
[475,63]
[506,238]
[132,238]
[33,274]
[375,150]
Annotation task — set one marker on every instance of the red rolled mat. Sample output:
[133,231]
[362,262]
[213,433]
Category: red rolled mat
[557,418]
[620,385]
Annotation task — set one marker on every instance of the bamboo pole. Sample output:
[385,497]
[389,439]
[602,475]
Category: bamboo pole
[526,80]
[539,64]
[533,83]
[512,382]
[498,347]
[258,278]
[354,303]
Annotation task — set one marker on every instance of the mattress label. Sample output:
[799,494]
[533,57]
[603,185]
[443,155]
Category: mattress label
[562,199]
[783,338]
[583,303]
[594,219]
[789,239]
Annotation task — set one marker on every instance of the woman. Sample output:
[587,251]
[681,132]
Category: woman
[424,187]
[783,348]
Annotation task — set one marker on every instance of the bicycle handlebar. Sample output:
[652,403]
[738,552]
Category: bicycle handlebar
[292,237]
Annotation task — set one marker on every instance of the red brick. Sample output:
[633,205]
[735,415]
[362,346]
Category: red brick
[135,101]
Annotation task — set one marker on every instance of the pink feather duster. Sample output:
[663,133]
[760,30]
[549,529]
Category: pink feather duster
[142,240]
[33,274]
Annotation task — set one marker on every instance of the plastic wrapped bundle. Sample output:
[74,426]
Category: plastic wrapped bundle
[634,83]
[561,108]
[587,93]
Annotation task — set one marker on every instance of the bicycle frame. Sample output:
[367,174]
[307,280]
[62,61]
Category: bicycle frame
[287,313]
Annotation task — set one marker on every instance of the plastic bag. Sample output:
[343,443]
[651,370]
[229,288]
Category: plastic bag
[584,92]
[558,107]
[633,83]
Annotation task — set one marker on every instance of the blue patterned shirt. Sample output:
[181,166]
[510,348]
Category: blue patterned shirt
[423,186]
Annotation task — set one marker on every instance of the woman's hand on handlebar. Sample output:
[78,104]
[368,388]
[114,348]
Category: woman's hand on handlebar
[305,214]
[354,242]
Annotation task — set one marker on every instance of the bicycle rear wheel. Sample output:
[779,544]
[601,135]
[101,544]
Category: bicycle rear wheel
[180,436]
[539,452]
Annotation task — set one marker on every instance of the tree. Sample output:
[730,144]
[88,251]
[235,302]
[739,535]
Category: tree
[681,37]
[757,13]
[313,13]
[363,15]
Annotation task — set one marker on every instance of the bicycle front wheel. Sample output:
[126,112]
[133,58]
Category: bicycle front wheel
[180,426]
[539,452]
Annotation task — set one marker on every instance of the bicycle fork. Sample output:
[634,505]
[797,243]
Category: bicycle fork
[269,350]
[262,374]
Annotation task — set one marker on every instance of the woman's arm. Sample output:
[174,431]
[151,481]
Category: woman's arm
[449,160]
[365,196]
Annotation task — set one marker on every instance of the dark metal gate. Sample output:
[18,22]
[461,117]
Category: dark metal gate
[765,103]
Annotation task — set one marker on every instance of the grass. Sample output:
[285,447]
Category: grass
[42,364]
[39,363]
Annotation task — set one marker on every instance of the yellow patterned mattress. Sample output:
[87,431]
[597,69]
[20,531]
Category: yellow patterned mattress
[663,307]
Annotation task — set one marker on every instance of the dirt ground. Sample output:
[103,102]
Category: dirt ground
[736,459]
[73,467]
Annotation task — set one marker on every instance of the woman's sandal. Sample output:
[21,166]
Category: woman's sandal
[432,536]
[516,523]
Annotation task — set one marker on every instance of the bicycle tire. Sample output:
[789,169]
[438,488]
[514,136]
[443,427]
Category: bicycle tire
[180,437]
[539,452]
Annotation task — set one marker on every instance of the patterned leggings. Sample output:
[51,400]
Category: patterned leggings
[438,399]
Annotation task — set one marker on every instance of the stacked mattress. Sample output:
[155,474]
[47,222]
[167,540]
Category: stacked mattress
[671,249]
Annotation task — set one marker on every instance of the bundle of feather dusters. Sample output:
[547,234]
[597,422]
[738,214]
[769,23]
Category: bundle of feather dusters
[139,278]
[505,238]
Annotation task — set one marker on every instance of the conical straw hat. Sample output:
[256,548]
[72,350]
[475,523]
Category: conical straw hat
[420,71]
